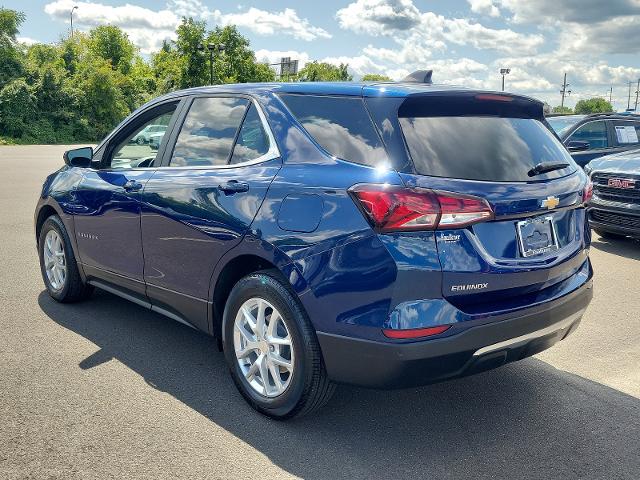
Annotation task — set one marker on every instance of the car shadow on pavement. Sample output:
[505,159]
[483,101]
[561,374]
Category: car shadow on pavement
[525,420]
[623,247]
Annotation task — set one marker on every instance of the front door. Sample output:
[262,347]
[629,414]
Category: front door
[107,222]
[595,133]
[200,204]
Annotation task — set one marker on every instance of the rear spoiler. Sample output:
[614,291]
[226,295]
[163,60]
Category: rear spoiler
[470,103]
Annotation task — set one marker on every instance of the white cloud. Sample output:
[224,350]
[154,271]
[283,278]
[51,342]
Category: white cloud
[358,65]
[585,26]
[148,28]
[262,22]
[27,40]
[577,11]
[401,20]
[378,16]
[484,7]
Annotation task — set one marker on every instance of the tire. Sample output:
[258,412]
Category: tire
[307,385]
[610,235]
[70,288]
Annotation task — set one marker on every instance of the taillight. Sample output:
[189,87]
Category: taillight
[415,332]
[588,191]
[393,208]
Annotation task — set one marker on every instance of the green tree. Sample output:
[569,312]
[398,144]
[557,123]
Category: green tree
[112,44]
[593,105]
[320,71]
[237,64]
[563,109]
[375,77]
[191,59]
[166,69]
[17,108]
[10,53]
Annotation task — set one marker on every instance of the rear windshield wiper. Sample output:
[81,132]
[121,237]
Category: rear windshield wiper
[544,167]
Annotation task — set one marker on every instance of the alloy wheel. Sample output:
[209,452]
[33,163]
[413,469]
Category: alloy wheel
[263,347]
[55,262]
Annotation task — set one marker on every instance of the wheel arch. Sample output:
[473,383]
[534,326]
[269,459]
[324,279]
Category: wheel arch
[44,212]
[241,261]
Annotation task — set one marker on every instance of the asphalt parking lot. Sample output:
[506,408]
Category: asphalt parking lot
[106,389]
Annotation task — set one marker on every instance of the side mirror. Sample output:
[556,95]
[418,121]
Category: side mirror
[577,146]
[78,157]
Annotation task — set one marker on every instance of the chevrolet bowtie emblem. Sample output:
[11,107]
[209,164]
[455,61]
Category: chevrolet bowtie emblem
[550,203]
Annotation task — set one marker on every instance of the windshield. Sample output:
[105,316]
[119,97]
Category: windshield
[563,123]
[484,148]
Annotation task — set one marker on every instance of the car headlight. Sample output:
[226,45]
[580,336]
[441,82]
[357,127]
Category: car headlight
[588,170]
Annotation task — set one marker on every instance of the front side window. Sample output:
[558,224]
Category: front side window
[595,133]
[140,148]
[341,125]
[208,132]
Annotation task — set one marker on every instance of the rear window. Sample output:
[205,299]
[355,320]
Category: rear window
[487,148]
[341,125]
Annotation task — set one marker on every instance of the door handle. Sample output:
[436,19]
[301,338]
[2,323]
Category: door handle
[234,186]
[132,186]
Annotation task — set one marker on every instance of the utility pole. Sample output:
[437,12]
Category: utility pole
[611,94]
[504,72]
[629,98]
[564,90]
[75,7]
[637,91]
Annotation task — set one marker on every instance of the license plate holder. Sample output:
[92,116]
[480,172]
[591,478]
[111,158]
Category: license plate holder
[537,236]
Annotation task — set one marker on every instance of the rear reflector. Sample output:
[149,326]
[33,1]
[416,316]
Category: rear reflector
[415,332]
[394,208]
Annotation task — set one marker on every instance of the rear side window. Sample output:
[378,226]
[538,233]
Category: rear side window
[595,133]
[627,133]
[488,148]
[252,140]
[341,125]
[208,132]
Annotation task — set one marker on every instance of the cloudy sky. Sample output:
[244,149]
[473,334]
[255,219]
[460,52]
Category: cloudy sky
[466,42]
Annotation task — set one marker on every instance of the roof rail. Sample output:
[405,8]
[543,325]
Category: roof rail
[419,76]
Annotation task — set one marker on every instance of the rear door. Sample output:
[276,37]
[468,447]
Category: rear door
[537,238]
[200,203]
[626,134]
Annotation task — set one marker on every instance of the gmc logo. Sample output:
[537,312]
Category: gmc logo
[621,183]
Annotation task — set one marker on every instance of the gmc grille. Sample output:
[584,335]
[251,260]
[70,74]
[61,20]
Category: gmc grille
[613,194]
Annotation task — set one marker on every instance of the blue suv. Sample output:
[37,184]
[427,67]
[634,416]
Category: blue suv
[385,235]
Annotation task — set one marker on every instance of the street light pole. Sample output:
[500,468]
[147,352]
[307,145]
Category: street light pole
[212,47]
[75,7]
[637,91]
[504,72]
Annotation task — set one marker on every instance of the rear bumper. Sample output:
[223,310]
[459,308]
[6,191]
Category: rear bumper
[478,348]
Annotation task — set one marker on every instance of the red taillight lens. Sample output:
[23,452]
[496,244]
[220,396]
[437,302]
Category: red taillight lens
[415,332]
[397,208]
[392,208]
[588,191]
